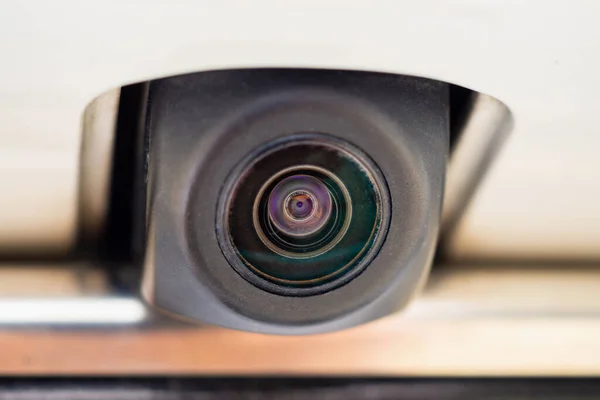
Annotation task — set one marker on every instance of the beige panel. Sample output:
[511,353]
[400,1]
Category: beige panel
[541,200]
[51,281]
[38,198]
[541,61]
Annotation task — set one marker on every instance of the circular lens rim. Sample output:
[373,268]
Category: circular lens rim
[257,277]
[282,252]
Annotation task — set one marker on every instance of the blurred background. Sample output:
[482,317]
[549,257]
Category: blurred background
[514,289]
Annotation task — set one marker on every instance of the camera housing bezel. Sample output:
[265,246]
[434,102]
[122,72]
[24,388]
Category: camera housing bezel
[201,125]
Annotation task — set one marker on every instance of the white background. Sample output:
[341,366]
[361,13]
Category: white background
[541,58]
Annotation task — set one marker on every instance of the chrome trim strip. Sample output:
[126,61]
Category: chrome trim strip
[95,165]
[488,123]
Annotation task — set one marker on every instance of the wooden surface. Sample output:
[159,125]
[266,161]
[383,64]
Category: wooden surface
[387,347]
[476,321]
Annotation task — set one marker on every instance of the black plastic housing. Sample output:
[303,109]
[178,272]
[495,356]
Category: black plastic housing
[200,126]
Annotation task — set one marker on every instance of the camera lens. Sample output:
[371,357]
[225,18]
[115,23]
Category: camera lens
[301,211]
[299,205]
[303,214]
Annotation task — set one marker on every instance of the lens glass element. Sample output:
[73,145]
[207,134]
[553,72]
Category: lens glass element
[299,205]
[303,214]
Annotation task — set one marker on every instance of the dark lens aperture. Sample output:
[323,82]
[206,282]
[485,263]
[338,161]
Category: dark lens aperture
[300,206]
[304,212]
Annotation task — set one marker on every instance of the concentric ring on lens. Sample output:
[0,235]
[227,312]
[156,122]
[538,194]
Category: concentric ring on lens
[303,265]
[325,243]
